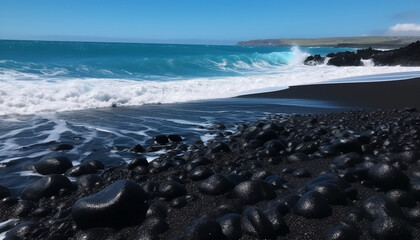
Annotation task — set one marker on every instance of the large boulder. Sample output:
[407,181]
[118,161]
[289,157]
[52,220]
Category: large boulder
[345,59]
[120,204]
[314,60]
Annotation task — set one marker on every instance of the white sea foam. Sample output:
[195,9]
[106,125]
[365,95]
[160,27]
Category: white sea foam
[35,95]
[368,62]
[4,224]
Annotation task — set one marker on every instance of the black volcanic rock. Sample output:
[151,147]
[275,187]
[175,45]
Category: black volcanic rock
[330,187]
[161,139]
[121,203]
[414,214]
[46,187]
[314,60]
[283,205]
[276,181]
[197,162]
[203,228]
[52,165]
[253,191]
[332,192]
[388,177]
[275,145]
[219,147]
[367,53]
[171,189]
[347,160]
[96,163]
[346,145]
[277,221]
[23,231]
[266,135]
[88,181]
[401,198]
[174,138]
[215,185]
[313,205]
[342,147]
[378,206]
[231,225]
[155,225]
[342,232]
[200,173]
[82,169]
[256,223]
[345,59]
[388,228]
[24,208]
[140,161]
[138,148]
[405,56]
[63,147]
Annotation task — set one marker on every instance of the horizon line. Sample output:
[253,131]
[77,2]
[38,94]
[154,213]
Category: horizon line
[175,42]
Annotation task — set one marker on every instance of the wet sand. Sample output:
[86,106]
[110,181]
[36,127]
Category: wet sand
[388,94]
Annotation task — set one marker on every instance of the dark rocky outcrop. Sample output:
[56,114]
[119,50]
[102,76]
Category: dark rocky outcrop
[405,56]
[344,59]
[315,60]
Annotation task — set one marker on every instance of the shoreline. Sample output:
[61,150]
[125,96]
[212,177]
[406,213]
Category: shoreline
[321,174]
[287,174]
[386,94]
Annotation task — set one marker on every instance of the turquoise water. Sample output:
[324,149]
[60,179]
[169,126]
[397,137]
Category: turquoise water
[142,61]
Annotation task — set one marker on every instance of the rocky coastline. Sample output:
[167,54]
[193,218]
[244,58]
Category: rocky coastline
[405,56]
[345,175]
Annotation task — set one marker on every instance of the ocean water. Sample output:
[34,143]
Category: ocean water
[63,92]
[37,76]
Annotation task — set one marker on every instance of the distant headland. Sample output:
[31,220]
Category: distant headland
[389,42]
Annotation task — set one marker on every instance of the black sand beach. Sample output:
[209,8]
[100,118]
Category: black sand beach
[389,94]
[344,175]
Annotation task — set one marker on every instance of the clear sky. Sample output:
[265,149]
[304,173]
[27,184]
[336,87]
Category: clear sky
[199,21]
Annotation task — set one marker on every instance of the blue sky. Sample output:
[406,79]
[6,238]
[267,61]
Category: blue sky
[199,21]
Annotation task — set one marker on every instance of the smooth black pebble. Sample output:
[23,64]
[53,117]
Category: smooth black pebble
[46,187]
[217,184]
[253,191]
[171,189]
[203,228]
[313,205]
[388,228]
[256,223]
[120,204]
[231,225]
[52,165]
